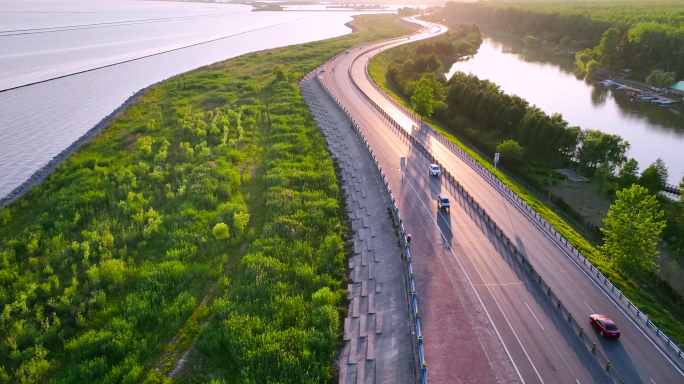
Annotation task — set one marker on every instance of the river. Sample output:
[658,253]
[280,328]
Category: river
[65,65]
[547,80]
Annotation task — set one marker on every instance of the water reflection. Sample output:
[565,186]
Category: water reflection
[599,95]
[551,81]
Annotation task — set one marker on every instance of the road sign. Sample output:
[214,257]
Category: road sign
[496,157]
[403,164]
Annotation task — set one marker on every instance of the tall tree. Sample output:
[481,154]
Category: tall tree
[603,172]
[655,176]
[632,230]
[608,48]
[629,174]
[423,97]
[598,147]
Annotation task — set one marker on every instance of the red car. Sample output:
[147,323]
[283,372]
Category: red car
[605,325]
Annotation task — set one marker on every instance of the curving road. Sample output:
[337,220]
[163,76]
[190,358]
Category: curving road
[471,289]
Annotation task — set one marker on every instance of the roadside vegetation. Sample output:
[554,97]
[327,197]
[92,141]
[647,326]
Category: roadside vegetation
[480,118]
[643,35]
[206,215]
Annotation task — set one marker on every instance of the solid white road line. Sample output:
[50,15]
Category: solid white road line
[566,280]
[535,317]
[547,260]
[497,263]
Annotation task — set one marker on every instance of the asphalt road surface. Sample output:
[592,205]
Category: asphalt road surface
[536,340]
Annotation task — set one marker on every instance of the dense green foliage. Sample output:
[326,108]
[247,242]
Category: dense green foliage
[492,116]
[633,228]
[510,149]
[104,263]
[650,35]
[423,98]
[661,79]
[604,55]
[495,116]
[655,176]
[420,66]
[477,110]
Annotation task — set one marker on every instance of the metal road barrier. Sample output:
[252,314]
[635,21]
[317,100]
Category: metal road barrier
[395,211]
[578,329]
[400,227]
[674,351]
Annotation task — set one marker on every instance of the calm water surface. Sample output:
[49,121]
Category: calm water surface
[548,81]
[84,58]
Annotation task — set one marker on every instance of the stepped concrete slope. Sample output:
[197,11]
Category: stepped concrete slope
[483,319]
[378,344]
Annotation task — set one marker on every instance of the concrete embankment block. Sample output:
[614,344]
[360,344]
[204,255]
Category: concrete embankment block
[374,352]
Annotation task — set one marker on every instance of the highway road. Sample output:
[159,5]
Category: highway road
[538,341]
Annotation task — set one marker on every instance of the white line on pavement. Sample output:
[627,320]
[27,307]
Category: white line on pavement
[497,263]
[547,260]
[488,289]
[535,317]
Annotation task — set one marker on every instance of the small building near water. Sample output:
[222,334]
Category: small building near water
[678,88]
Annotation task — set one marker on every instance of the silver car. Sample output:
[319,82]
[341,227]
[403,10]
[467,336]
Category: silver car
[434,170]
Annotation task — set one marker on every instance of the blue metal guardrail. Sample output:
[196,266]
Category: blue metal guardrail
[401,230]
[395,210]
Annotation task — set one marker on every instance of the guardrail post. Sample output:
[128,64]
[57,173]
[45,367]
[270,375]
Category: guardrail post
[593,348]
[569,317]
[581,331]
[559,303]
[608,366]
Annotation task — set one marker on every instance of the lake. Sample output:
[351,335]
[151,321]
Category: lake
[65,65]
[547,80]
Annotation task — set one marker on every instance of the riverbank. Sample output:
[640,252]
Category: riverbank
[147,238]
[45,171]
[38,121]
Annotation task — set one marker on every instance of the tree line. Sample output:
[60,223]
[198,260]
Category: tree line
[532,144]
[644,35]
[497,116]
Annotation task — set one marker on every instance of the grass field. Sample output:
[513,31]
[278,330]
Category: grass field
[198,238]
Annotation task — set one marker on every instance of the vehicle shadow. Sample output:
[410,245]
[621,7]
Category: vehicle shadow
[618,356]
[522,271]
[505,251]
[428,187]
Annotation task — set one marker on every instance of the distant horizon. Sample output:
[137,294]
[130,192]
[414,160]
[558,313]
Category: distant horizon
[378,2]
